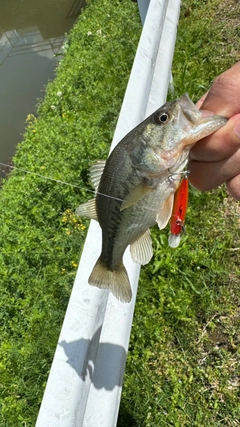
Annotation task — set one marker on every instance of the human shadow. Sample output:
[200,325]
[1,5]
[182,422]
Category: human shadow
[103,362]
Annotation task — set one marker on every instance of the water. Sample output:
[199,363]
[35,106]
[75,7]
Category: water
[32,33]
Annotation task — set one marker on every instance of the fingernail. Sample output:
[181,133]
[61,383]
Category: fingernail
[237,129]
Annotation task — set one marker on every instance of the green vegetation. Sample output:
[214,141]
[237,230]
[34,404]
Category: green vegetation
[183,364]
[41,238]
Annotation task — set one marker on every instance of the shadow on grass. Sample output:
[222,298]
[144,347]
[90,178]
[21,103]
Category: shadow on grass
[125,418]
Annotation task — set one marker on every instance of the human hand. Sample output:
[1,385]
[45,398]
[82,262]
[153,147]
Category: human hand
[216,158]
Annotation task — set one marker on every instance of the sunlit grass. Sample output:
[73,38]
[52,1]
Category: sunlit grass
[41,239]
[183,364]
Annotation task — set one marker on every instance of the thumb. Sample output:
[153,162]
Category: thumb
[223,97]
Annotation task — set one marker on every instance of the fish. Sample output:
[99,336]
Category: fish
[179,211]
[135,188]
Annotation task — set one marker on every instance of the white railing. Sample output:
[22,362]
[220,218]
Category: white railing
[85,382]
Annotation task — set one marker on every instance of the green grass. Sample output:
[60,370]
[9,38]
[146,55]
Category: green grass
[183,362]
[41,239]
[207,44]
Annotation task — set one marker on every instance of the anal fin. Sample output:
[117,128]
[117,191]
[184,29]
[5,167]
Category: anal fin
[141,250]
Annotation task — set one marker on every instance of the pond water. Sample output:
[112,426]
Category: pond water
[32,33]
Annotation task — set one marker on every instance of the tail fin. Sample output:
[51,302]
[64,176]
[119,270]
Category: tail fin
[116,281]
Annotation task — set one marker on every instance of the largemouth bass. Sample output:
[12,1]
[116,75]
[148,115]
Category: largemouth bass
[135,187]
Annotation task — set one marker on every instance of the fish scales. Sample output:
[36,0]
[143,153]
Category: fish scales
[137,186]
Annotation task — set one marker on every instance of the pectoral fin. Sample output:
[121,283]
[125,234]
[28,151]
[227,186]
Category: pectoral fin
[88,209]
[141,250]
[135,195]
[165,212]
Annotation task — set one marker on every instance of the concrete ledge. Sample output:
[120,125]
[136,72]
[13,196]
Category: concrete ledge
[85,381]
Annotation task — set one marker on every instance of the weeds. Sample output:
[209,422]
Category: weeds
[183,361]
[41,238]
[183,364]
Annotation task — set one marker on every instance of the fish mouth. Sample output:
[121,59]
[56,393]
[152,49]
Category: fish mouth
[197,124]
[194,126]
[190,112]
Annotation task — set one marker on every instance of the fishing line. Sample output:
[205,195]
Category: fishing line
[72,185]
[59,181]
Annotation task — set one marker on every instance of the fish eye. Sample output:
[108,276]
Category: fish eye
[161,118]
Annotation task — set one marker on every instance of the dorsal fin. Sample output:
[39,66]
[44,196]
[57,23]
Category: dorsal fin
[141,250]
[95,173]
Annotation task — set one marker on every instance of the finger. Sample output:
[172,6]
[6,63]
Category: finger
[233,187]
[201,100]
[224,95]
[208,175]
[219,145]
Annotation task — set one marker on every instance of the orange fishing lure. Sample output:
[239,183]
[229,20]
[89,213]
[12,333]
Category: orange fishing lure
[178,213]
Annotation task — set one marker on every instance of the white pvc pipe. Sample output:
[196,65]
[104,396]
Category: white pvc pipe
[136,97]
[162,72]
[143,8]
[85,381]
